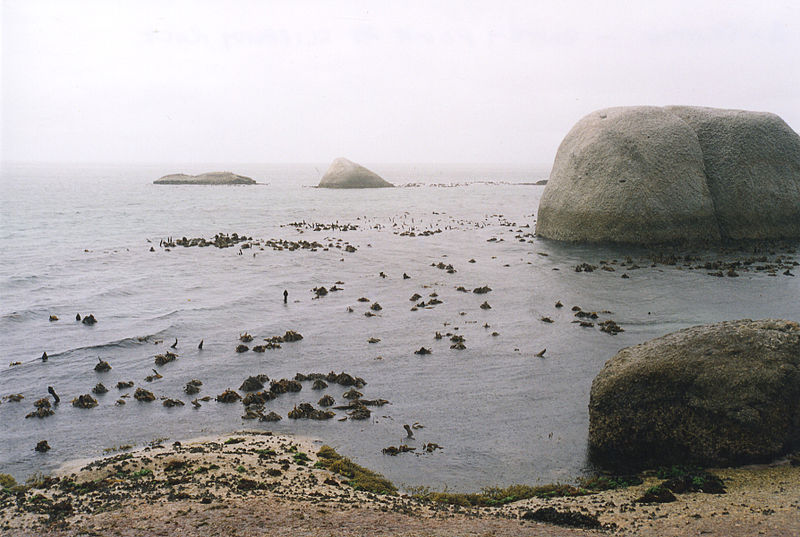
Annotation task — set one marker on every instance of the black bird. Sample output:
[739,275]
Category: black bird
[174,345]
[201,345]
[54,394]
[409,432]
[77,316]
[44,356]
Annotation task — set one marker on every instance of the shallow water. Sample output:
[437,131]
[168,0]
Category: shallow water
[77,240]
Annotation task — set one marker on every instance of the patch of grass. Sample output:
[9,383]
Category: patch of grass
[36,480]
[234,440]
[609,482]
[144,472]
[241,469]
[495,496]
[265,451]
[7,481]
[360,478]
[301,458]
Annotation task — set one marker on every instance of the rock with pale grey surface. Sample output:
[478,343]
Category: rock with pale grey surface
[719,394]
[211,178]
[344,173]
[646,175]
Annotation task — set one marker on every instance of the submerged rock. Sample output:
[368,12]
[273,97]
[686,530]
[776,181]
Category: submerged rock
[719,394]
[646,174]
[210,178]
[344,173]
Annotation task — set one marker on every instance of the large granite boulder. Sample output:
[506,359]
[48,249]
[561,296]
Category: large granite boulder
[645,175]
[752,163]
[719,394]
[211,178]
[344,173]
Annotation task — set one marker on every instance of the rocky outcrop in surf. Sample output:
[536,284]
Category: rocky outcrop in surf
[646,174]
[719,394]
[343,173]
[210,178]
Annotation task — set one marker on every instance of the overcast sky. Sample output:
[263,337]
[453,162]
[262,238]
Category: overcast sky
[449,81]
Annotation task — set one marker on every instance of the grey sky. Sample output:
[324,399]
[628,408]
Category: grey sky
[236,81]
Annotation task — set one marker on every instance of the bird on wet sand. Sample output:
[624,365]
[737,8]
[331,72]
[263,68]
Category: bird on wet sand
[409,432]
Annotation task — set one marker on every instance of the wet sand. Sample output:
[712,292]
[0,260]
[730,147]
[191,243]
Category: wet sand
[257,483]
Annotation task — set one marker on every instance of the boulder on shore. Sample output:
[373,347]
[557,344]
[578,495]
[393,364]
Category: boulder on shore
[719,394]
[646,174]
[343,173]
[210,178]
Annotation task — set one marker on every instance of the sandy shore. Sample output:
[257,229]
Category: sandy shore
[256,483]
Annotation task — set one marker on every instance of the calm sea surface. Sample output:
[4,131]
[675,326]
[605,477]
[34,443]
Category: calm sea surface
[77,239]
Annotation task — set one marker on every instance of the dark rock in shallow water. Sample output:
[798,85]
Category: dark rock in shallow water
[89,319]
[84,401]
[42,446]
[102,366]
[228,396]
[307,411]
[344,173]
[99,389]
[210,178]
[253,384]
[143,395]
[272,416]
[720,394]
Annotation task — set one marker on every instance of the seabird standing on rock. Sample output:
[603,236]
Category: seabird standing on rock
[54,394]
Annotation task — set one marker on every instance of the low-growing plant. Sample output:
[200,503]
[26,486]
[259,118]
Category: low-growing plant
[495,496]
[142,473]
[234,440]
[360,478]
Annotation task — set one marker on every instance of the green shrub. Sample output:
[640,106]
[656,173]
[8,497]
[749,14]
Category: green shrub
[360,478]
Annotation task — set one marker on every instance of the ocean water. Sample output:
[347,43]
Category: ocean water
[77,239]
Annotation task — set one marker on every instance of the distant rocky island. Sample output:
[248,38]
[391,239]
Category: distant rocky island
[344,173]
[211,178]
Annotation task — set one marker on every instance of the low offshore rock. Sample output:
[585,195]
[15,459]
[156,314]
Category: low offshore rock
[102,366]
[711,395]
[42,446]
[209,178]
[99,389]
